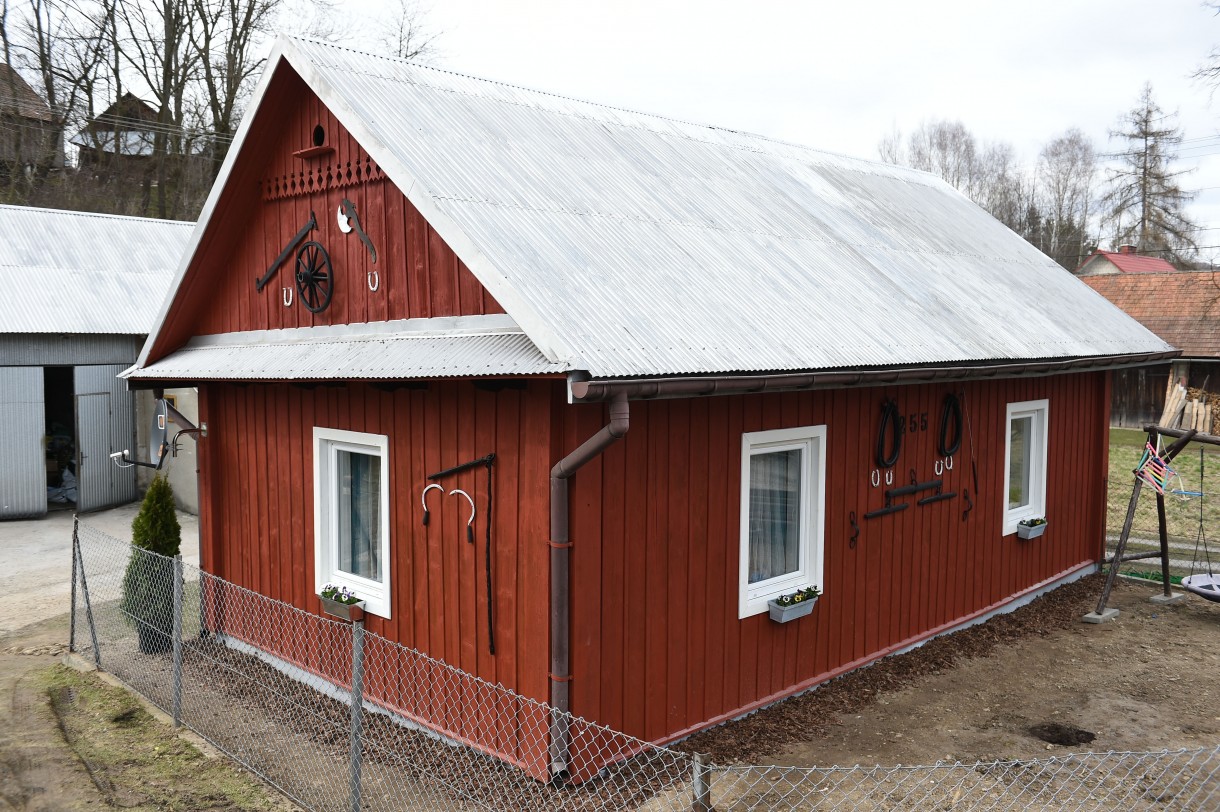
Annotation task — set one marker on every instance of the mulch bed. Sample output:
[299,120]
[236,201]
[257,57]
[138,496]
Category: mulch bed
[752,739]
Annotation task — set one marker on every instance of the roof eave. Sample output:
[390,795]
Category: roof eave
[704,386]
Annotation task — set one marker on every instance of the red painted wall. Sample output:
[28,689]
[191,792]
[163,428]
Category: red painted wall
[657,648]
[257,505]
[267,203]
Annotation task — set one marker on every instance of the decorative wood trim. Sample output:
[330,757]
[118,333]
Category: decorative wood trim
[313,152]
[320,178]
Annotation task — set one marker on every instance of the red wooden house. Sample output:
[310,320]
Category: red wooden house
[682,344]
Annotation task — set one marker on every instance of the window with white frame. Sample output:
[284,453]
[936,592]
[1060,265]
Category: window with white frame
[782,505]
[352,515]
[1025,463]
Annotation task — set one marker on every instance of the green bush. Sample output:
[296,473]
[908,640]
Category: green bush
[148,585]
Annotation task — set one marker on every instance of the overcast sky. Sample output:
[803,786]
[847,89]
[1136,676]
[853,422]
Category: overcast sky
[839,76]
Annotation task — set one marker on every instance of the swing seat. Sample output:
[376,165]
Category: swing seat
[1205,585]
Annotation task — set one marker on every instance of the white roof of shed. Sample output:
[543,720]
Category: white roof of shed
[627,244]
[75,272]
[412,348]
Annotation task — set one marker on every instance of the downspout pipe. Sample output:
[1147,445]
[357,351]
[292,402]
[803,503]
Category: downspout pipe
[561,549]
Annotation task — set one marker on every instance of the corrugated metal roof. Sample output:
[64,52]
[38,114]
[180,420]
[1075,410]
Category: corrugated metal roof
[415,348]
[627,244]
[74,272]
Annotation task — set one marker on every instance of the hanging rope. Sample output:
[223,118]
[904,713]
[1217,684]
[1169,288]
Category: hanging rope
[1201,536]
[952,410]
[891,420]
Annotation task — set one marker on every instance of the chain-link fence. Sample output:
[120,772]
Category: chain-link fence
[1191,510]
[341,719]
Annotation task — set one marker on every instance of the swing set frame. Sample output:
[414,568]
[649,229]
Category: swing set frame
[1182,438]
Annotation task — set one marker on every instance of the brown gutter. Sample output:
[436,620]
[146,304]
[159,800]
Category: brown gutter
[636,389]
[561,547]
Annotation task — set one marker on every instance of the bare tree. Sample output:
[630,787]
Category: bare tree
[1067,167]
[946,149]
[407,35]
[889,148]
[1145,203]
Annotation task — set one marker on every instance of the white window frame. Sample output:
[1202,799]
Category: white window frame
[811,440]
[1039,410]
[326,445]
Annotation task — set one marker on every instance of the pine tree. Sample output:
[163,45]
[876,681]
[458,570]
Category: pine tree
[1145,202]
[148,583]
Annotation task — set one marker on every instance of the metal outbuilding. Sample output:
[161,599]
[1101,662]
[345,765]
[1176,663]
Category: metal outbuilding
[81,292]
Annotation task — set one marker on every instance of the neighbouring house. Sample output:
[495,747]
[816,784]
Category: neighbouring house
[29,137]
[81,291]
[1123,261]
[1183,308]
[122,135]
[683,346]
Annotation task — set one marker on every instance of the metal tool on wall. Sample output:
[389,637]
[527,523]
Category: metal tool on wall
[473,511]
[423,500]
[486,461]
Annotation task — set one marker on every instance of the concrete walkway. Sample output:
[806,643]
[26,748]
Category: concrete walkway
[36,560]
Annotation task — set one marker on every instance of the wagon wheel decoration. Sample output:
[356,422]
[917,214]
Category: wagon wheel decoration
[315,277]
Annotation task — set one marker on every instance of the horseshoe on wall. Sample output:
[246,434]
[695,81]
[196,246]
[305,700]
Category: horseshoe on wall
[470,521]
[423,499]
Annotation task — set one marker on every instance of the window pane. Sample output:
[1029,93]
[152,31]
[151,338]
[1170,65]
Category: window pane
[359,481]
[1020,460]
[775,514]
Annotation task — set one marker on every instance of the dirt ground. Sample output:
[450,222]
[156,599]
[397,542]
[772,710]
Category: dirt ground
[1145,681]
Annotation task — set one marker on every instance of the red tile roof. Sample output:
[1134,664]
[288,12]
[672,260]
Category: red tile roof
[1182,307]
[1126,263]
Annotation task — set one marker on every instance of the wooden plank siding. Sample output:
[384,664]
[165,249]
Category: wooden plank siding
[657,647]
[418,274]
[256,530]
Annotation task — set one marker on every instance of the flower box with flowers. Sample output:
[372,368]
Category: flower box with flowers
[340,602]
[1031,528]
[793,605]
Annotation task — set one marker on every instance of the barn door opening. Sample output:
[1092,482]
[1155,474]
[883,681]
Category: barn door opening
[23,478]
[105,424]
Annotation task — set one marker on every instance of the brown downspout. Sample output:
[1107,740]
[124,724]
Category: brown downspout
[561,546]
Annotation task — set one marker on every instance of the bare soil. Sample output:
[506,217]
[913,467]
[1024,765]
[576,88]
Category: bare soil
[1145,681]
[70,741]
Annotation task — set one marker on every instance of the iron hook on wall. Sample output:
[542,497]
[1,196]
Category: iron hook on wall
[423,499]
[470,521]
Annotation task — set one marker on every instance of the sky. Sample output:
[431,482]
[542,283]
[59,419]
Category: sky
[839,76]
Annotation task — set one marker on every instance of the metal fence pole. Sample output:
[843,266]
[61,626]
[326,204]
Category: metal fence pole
[72,613]
[177,640]
[357,706]
[701,790]
[84,586]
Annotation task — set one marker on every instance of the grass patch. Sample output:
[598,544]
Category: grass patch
[1150,575]
[1181,513]
[136,761]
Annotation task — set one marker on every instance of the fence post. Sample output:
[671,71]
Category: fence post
[356,699]
[701,790]
[177,640]
[72,613]
[84,586]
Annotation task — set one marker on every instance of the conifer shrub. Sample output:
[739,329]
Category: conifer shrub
[148,584]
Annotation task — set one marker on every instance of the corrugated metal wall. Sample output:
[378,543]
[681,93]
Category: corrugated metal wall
[657,647]
[36,349]
[23,472]
[105,423]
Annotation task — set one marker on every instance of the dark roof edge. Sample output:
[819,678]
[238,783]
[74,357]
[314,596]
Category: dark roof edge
[661,388]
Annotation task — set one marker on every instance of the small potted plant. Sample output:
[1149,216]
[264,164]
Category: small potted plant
[1031,528]
[793,605]
[340,602]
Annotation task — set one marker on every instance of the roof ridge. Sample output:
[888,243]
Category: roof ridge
[104,215]
[602,106]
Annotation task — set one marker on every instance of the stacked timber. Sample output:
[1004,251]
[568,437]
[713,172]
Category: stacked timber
[1183,413]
